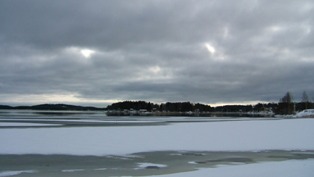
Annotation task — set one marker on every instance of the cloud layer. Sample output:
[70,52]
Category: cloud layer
[158,50]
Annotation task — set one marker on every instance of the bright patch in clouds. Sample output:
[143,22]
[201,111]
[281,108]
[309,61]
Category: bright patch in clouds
[155,69]
[216,55]
[87,53]
[153,73]
[275,28]
[210,48]
[84,52]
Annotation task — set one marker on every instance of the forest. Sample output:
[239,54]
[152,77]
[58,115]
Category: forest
[286,105]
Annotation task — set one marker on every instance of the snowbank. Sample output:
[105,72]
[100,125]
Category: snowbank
[295,134]
[305,113]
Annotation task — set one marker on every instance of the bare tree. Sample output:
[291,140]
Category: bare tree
[305,98]
[287,98]
[286,105]
[305,102]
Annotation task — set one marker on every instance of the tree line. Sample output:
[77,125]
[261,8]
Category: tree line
[286,105]
[186,107]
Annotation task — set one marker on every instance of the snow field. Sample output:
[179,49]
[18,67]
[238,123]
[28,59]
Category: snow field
[294,134]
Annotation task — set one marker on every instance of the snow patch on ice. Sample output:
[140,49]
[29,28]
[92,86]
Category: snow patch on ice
[150,165]
[72,170]
[13,173]
[100,169]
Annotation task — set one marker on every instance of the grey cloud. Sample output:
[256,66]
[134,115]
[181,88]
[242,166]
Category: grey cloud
[154,50]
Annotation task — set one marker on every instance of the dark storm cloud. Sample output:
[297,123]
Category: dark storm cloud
[156,50]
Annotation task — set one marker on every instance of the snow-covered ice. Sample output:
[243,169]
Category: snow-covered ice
[291,168]
[294,134]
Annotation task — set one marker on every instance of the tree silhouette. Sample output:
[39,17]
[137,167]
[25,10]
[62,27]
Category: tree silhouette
[287,98]
[305,102]
[286,105]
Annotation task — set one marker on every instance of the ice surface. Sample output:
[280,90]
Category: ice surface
[293,134]
[292,168]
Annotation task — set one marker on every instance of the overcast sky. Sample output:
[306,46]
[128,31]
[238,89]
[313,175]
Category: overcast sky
[207,51]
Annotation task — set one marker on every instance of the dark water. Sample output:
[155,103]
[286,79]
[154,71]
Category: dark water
[139,164]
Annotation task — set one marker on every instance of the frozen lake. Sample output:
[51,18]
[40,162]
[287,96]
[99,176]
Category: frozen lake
[52,143]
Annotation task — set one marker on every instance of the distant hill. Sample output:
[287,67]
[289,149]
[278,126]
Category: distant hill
[5,107]
[61,107]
